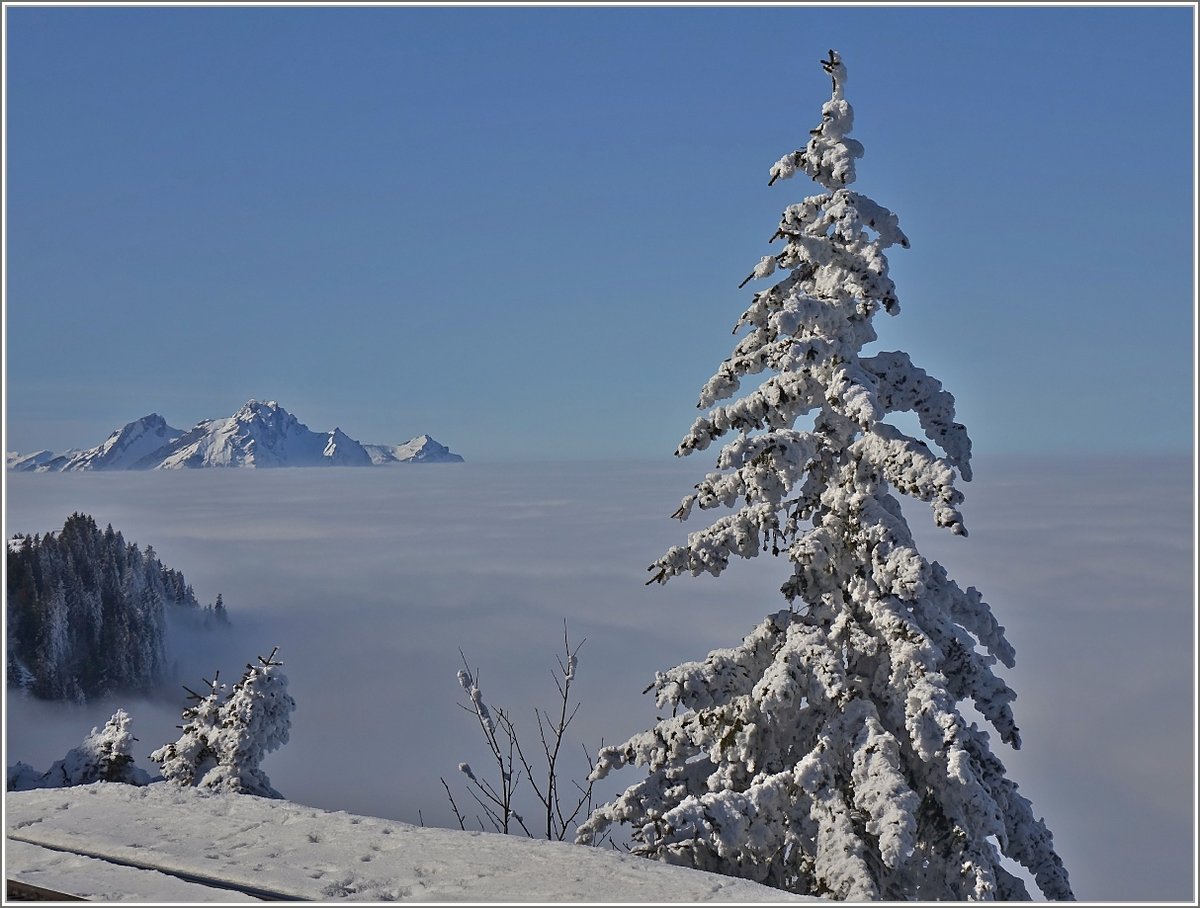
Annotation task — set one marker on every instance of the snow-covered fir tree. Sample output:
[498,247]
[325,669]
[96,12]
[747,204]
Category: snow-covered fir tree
[188,760]
[255,720]
[224,741]
[106,755]
[828,754]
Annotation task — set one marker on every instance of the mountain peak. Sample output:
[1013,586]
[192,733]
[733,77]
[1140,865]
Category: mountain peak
[422,449]
[122,450]
[259,434]
[260,408]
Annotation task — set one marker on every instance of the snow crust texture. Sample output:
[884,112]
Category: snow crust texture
[827,753]
[320,855]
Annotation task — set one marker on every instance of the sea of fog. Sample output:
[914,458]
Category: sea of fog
[370,581]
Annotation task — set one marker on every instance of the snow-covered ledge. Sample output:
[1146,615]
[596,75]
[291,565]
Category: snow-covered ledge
[308,853]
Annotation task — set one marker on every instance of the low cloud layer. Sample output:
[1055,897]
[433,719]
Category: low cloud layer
[371,581]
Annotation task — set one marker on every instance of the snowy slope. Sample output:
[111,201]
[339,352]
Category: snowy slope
[27,462]
[126,446]
[260,434]
[307,853]
[343,451]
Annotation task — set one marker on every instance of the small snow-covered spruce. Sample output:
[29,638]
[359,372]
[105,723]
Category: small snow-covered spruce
[255,720]
[106,755]
[827,753]
[224,742]
[188,760]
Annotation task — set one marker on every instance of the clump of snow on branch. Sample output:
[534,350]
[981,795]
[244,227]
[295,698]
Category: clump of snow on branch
[827,753]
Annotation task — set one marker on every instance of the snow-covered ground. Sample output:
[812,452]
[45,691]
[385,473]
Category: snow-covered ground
[305,853]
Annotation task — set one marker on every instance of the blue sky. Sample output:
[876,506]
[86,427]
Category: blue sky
[522,230]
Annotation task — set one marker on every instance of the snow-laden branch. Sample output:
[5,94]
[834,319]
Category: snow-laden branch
[1026,838]
[725,673]
[910,468]
[902,386]
[709,550]
[970,611]
[775,403]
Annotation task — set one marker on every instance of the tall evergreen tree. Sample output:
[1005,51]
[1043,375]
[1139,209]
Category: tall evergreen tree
[827,754]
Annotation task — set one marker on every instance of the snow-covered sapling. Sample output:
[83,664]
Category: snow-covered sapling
[225,740]
[255,720]
[187,760]
[106,755]
[827,754]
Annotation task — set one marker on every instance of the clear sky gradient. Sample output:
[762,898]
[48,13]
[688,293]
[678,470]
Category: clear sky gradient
[521,230]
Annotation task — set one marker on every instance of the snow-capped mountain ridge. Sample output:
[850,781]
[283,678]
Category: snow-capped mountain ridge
[126,446]
[260,434]
[26,462]
[422,449]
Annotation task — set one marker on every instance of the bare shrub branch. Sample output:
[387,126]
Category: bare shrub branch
[560,809]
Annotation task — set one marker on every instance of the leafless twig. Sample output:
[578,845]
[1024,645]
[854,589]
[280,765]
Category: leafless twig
[560,807]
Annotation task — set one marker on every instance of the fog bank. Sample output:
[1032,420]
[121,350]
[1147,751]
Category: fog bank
[370,581]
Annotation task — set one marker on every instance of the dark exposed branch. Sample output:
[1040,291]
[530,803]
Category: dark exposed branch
[453,806]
